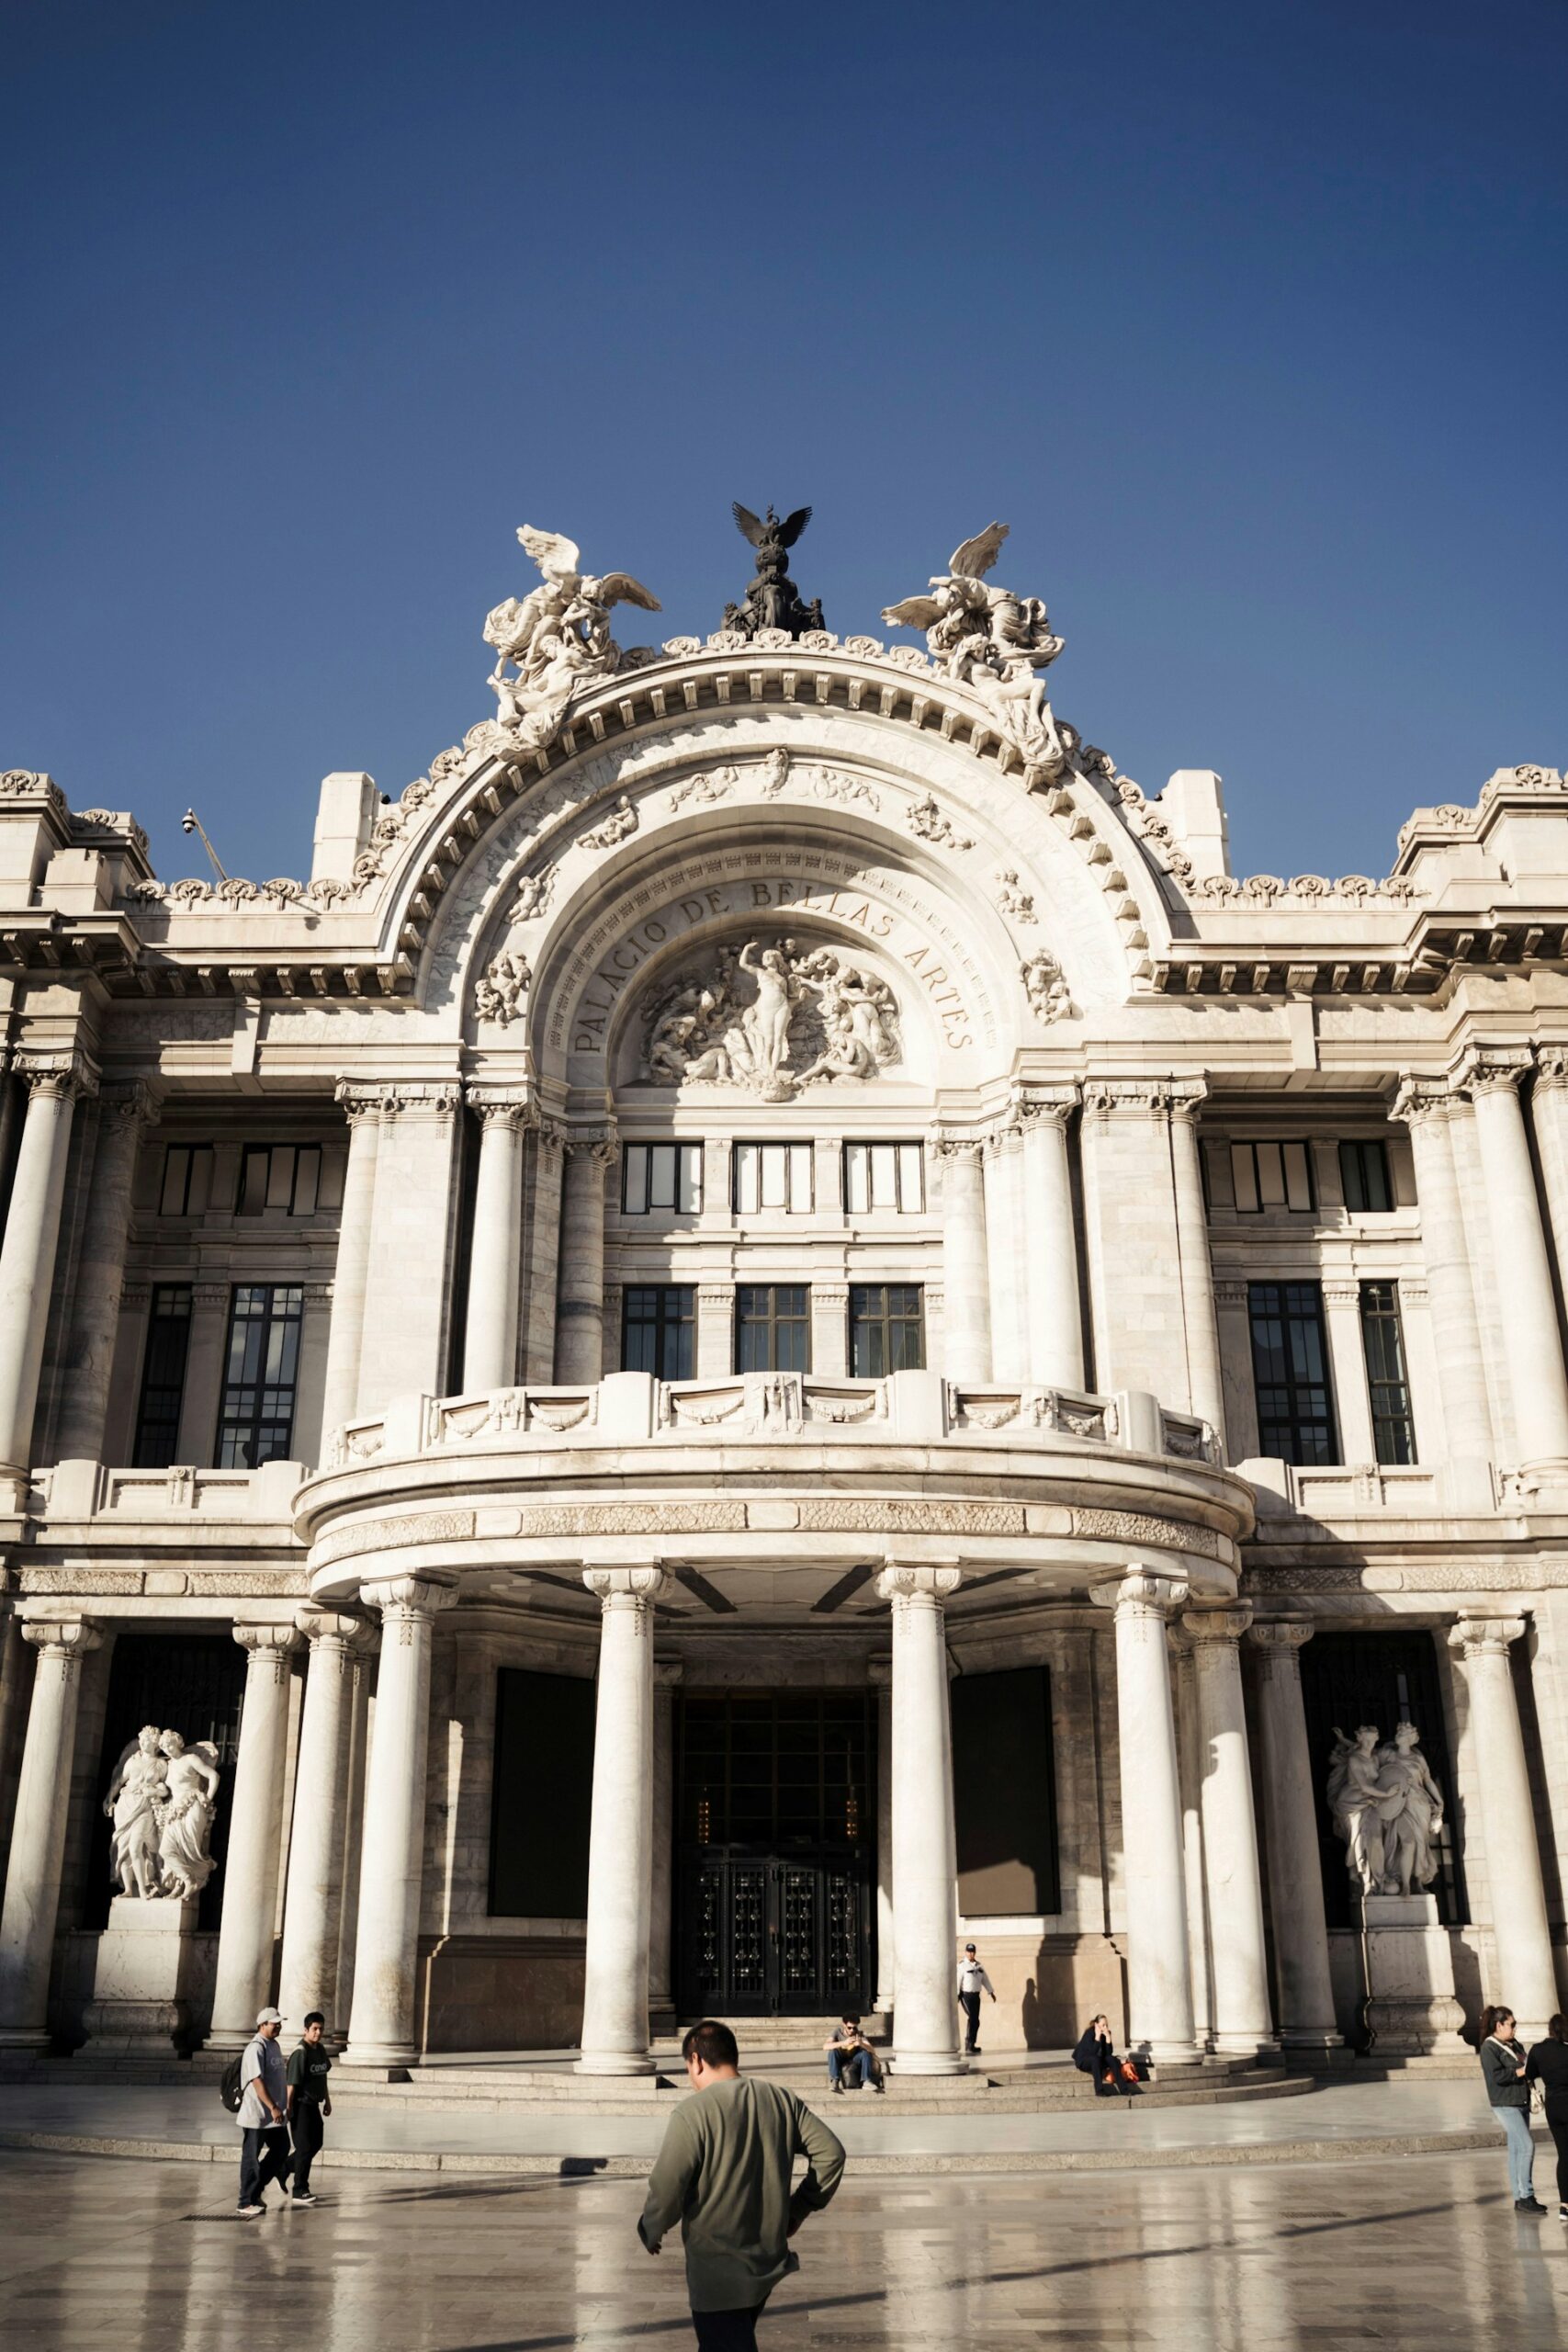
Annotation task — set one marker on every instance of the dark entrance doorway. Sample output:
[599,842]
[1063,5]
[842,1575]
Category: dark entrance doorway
[774,1822]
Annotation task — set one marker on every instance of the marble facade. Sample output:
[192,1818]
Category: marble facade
[981,1126]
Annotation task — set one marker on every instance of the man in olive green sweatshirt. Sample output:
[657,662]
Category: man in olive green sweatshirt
[724,2174]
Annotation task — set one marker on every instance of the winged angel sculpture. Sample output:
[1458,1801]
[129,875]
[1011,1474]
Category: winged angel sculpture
[993,641]
[556,639]
[773,600]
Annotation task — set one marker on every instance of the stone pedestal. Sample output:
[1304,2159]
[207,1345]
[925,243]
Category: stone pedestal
[144,1974]
[1410,1972]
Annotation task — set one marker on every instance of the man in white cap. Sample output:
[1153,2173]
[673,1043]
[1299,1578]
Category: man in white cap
[263,2132]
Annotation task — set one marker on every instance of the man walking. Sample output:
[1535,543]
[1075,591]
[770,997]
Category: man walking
[724,2174]
[308,2101]
[972,1980]
[264,2134]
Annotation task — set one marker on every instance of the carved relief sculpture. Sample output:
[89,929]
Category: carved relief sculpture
[1044,987]
[772,601]
[162,1799]
[992,642]
[184,1845]
[138,1790]
[1387,1808]
[770,1020]
[556,641]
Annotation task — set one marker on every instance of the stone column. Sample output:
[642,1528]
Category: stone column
[340,1400]
[714,1351]
[312,1904]
[1424,1107]
[256,1833]
[1536,1378]
[1190,1771]
[1521,1936]
[579,1275]
[620,1850]
[1204,1384]
[489,1339]
[123,1114]
[925,1866]
[1159,1983]
[831,1329]
[1347,1370]
[881,1677]
[543,1252]
[391,1855]
[37,1841]
[660,1934]
[966,1277]
[1548,1117]
[27,1252]
[1238,1961]
[1290,1822]
[1056,1318]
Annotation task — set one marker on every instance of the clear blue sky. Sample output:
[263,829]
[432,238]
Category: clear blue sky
[1248,317]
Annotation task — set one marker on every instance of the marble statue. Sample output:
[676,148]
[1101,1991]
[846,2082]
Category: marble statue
[1044,987]
[557,639]
[771,1019]
[185,1821]
[773,600]
[993,641]
[1387,1808]
[138,1791]
[501,992]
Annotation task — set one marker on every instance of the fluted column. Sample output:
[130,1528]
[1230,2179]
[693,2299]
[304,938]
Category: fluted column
[881,1676]
[620,1847]
[1536,1377]
[313,1906]
[925,1865]
[1159,1985]
[1243,2024]
[580,1280]
[346,1334]
[1521,1935]
[1051,1269]
[37,1841]
[966,1275]
[1427,1108]
[1205,1388]
[1549,1116]
[27,1252]
[489,1338]
[1289,1825]
[667,1674]
[544,1251]
[99,1281]
[256,1831]
[391,1864]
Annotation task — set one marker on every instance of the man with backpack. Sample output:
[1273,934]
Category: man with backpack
[263,2132]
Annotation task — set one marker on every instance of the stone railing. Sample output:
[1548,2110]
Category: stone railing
[93,1490]
[1352,1490]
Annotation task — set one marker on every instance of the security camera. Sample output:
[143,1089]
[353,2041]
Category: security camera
[188,823]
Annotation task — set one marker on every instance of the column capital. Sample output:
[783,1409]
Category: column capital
[361,1100]
[330,1628]
[668,1672]
[1044,1106]
[642,1586]
[1493,1069]
[594,1146]
[1420,1100]
[1208,1627]
[1142,1592]
[420,1098]
[268,1648]
[1148,1098]
[501,1106]
[549,1137]
[63,1637]
[935,1580]
[1280,1637]
[1551,1067]
[57,1078]
[965,1150]
[1485,1636]
[130,1105]
[406,1597]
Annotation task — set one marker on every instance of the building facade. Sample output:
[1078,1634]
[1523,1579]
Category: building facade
[771,1323]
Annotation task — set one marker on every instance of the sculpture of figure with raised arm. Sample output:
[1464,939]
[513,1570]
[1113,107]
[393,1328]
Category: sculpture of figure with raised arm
[136,1795]
[992,642]
[556,639]
[185,1847]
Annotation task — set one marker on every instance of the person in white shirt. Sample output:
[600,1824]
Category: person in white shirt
[264,2130]
[972,1982]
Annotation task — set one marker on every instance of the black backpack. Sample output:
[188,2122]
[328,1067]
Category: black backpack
[228,2089]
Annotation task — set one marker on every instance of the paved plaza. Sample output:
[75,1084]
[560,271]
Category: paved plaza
[1423,2253]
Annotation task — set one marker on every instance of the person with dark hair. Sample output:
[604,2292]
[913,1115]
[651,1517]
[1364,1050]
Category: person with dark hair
[308,2101]
[1503,2071]
[1095,2056]
[724,2174]
[1548,2065]
[851,2057]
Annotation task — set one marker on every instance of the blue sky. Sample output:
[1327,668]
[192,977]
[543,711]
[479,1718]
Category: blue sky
[1248,318]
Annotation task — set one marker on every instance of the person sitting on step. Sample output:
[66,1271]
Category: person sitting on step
[852,2061]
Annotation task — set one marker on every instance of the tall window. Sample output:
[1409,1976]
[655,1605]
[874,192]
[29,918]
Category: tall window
[773,1327]
[887,1328]
[1290,1370]
[657,1323]
[772,1176]
[256,1424]
[187,1180]
[884,1176]
[162,1377]
[1382,1339]
[279,1176]
[661,1176]
[1363,1172]
[1271,1176]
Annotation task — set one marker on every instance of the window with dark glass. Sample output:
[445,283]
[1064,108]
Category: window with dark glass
[162,1377]
[658,1320]
[884,1176]
[773,1327]
[1272,1176]
[887,1330]
[1382,1339]
[1289,1370]
[279,1176]
[1363,1173]
[260,1374]
[656,1176]
[187,1180]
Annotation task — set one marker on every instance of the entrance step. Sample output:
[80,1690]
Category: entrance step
[777,2033]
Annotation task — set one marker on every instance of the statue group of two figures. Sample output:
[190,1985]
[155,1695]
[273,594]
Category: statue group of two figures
[163,1799]
[1387,1808]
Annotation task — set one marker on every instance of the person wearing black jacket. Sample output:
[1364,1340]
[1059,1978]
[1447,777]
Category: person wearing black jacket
[1096,2056]
[1548,2065]
[1503,2071]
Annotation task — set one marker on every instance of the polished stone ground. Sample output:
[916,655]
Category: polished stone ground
[100,2251]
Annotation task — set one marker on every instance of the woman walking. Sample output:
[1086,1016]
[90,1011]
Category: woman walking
[1503,2071]
[1548,2065]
